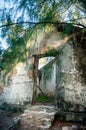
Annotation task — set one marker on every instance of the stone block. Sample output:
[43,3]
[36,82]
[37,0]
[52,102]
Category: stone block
[66,128]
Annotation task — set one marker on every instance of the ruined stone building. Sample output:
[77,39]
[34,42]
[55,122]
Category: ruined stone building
[69,51]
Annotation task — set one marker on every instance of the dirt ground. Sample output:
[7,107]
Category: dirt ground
[37,117]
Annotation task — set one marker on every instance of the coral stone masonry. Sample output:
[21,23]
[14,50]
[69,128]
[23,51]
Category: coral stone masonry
[71,82]
[19,89]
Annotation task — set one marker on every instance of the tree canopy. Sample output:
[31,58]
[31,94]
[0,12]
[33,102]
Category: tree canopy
[19,19]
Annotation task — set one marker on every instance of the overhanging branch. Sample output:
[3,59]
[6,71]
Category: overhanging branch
[44,22]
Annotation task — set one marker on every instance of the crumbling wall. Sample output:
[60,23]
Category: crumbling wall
[71,72]
[19,86]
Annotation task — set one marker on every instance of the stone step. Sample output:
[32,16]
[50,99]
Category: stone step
[38,117]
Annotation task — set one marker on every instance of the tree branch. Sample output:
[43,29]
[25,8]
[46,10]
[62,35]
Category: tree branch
[44,22]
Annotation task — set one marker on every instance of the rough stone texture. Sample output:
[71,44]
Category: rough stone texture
[19,89]
[19,84]
[38,117]
[71,83]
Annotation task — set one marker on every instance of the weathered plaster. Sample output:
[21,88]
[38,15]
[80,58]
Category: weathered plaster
[20,88]
[71,89]
[71,72]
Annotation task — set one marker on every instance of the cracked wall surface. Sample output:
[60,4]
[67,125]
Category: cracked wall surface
[19,86]
[71,83]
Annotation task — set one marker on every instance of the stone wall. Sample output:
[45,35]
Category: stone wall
[19,86]
[71,72]
[70,76]
[48,81]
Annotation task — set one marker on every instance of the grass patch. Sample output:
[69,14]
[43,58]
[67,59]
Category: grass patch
[41,98]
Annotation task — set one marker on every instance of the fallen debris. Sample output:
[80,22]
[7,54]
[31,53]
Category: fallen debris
[36,118]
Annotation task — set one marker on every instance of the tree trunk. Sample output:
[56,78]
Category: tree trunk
[35,75]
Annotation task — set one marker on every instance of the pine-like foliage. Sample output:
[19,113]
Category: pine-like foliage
[19,19]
